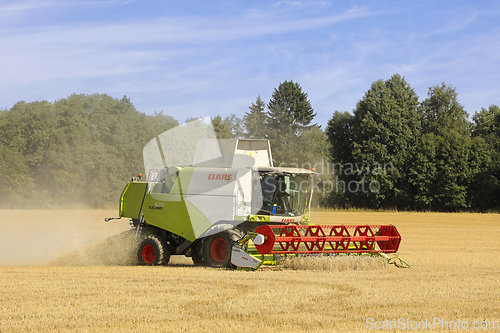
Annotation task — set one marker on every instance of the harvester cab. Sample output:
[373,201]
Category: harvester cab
[223,203]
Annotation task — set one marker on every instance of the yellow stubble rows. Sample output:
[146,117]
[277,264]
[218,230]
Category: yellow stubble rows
[454,276]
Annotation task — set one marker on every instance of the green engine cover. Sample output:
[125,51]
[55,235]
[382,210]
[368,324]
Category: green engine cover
[169,211]
[132,199]
[175,214]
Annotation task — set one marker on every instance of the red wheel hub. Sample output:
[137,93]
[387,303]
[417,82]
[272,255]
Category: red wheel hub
[219,250]
[148,254]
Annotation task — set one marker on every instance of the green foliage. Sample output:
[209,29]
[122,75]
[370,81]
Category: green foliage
[289,114]
[391,152]
[422,173]
[339,132]
[80,150]
[485,189]
[443,112]
[373,146]
[487,124]
[457,158]
[191,119]
[27,128]
[439,161]
[221,129]
[453,173]
[161,122]
[255,120]
[287,125]
[15,177]
[228,128]
[289,109]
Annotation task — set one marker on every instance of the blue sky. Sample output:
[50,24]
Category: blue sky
[199,58]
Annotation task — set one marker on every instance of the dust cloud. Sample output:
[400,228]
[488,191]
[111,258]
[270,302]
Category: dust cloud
[43,237]
[82,238]
[117,250]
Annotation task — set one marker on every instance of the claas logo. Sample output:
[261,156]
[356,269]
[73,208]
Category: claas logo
[219,176]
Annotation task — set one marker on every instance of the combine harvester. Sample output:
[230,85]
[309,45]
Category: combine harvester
[224,204]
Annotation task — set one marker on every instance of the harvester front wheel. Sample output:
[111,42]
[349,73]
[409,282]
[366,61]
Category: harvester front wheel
[217,250]
[153,252]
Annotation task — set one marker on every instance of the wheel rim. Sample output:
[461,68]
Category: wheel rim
[219,250]
[148,254]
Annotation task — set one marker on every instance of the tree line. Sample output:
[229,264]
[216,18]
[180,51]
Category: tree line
[417,155]
[393,151]
[77,151]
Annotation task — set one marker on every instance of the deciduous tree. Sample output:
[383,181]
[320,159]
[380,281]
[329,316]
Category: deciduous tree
[385,130]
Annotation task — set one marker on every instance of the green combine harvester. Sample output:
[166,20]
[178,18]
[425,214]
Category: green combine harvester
[224,204]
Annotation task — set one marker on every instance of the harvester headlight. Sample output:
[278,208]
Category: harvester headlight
[259,239]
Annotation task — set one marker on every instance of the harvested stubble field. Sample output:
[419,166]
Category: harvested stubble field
[46,286]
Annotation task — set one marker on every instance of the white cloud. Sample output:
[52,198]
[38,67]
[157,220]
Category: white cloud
[222,62]
[309,3]
[87,50]
[17,6]
[24,5]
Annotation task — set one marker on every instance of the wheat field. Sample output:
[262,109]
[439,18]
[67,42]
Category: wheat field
[60,272]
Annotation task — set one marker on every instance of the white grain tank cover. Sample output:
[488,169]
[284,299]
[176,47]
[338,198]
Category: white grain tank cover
[221,193]
[232,153]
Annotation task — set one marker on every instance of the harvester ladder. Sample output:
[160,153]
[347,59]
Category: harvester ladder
[138,230]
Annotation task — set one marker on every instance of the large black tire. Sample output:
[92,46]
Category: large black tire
[153,252]
[217,250]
